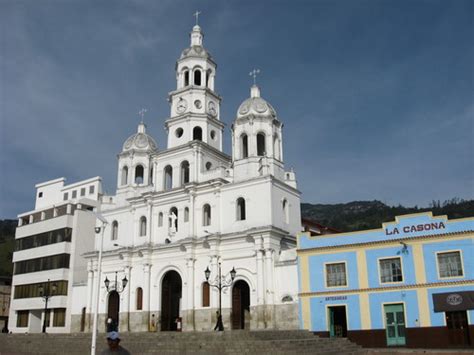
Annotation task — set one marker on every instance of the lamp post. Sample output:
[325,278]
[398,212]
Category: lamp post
[97,286]
[46,293]
[220,282]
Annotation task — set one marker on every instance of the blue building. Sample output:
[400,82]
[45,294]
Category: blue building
[410,283]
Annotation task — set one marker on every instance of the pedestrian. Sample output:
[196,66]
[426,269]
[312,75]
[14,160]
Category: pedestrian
[219,325]
[113,341]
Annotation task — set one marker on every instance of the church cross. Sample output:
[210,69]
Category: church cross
[196,14]
[142,113]
[254,74]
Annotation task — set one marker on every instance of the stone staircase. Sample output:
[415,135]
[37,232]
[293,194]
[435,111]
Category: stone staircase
[209,343]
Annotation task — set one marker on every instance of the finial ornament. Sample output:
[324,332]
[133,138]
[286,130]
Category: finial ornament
[196,14]
[254,74]
[142,113]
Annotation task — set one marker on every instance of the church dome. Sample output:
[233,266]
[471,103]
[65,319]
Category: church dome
[140,140]
[255,105]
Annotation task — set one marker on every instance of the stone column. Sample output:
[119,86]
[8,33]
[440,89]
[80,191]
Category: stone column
[269,291]
[189,319]
[260,290]
[147,293]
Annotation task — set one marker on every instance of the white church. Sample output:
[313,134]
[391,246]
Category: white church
[177,211]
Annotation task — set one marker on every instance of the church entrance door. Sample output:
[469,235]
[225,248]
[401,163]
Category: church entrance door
[113,310]
[171,289]
[240,304]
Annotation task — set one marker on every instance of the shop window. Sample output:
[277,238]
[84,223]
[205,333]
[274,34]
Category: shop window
[336,275]
[450,264]
[390,270]
[59,317]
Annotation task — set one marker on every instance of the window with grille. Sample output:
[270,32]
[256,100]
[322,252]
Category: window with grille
[450,264]
[336,275]
[22,319]
[391,270]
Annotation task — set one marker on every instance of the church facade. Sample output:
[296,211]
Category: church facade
[190,207]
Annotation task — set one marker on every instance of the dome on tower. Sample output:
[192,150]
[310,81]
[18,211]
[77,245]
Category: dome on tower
[255,105]
[196,49]
[140,140]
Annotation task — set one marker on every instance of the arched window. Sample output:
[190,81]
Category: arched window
[240,209]
[173,219]
[208,77]
[160,219]
[186,78]
[206,215]
[114,230]
[186,214]
[124,176]
[197,133]
[151,176]
[139,174]
[168,183]
[197,77]
[205,294]
[184,172]
[260,144]
[244,145]
[276,147]
[139,299]
[285,208]
[142,226]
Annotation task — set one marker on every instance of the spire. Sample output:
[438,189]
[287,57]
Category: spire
[254,91]
[141,127]
[196,36]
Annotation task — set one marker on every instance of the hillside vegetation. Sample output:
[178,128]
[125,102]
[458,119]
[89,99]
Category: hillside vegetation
[345,217]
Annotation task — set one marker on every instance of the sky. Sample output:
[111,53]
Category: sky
[376,97]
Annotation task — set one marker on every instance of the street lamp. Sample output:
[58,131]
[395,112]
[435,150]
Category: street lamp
[98,230]
[116,286]
[220,282]
[46,294]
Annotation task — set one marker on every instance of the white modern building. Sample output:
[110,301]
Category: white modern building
[178,211]
[49,243]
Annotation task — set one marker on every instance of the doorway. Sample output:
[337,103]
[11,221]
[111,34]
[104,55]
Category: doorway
[337,321]
[171,289]
[240,304]
[395,324]
[458,328]
[113,310]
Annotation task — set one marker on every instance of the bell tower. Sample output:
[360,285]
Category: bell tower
[195,106]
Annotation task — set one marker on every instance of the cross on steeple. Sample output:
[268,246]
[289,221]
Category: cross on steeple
[254,74]
[196,14]
[142,113]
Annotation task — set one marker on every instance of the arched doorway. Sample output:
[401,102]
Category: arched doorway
[114,309]
[240,304]
[171,288]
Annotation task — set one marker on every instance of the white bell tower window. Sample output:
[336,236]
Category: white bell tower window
[240,209]
[114,230]
[186,78]
[197,77]
[206,215]
[286,213]
[276,147]
[184,172]
[261,144]
[197,133]
[168,182]
[124,176]
[139,174]
[244,146]
[142,226]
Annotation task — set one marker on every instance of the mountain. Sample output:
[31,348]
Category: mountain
[361,215]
